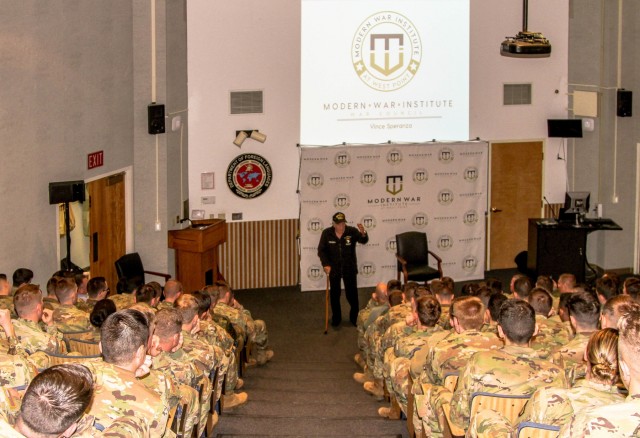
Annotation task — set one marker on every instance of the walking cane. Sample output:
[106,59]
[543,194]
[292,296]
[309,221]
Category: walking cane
[326,308]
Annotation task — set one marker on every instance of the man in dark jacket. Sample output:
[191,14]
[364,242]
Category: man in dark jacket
[337,252]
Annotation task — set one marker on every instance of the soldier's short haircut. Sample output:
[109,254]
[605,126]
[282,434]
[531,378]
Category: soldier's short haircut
[422,291]
[518,321]
[495,302]
[632,285]
[397,284]
[606,287]
[629,338]
[101,312]
[617,306]
[122,334]
[436,286]
[568,279]
[484,293]
[26,298]
[145,293]
[602,354]
[522,287]
[22,276]
[410,290]
[204,302]
[449,283]
[442,289]
[188,307]
[541,301]
[494,284]
[95,286]
[429,310]
[469,311]
[469,289]
[56,398]
[585,308]
[168,322]
[545,282]
[395,297]
[212,291]
[65,288]
[172,288]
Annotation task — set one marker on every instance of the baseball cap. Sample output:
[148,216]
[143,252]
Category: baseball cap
[339,217]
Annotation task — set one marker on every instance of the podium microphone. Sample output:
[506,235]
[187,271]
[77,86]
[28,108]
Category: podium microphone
[550,208]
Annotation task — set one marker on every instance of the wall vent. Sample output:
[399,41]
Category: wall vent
[517,94]
[246,102]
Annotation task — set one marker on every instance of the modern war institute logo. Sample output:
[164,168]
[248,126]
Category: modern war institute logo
[390,245]
[420,176]
[445,155]
[368,178]
[315,180]
[445,197]
[342,159]
[315,225]
[315,272]
[368,222]
[394,156]
[420,220]
[469,263]
[249,175]
[471,174]
[386,51]
[394,184]
[470,217]
[445,242]
[367,269]
[341,200]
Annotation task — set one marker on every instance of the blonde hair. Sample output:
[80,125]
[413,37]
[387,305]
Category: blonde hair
[602,355]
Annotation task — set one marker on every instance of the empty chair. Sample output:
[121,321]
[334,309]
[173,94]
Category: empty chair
[130,266]
[530,429]
[412,252]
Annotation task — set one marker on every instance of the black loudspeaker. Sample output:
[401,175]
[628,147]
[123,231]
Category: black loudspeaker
[155,113]
[66,191]
[625,103]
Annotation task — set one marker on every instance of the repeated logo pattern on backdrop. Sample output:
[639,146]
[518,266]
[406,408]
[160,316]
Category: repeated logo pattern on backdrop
[437,188]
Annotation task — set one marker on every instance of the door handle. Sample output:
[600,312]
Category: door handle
[95,248]
[495,210]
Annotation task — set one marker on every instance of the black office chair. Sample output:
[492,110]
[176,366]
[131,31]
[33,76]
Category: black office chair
[130,266]
[412,252]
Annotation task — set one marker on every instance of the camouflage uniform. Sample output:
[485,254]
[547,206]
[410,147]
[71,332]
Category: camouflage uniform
[16,370]
[216,335]
[448,355]
[615,420]
[123,301]
[127,427]
[445,317]
[571,355]
[69,318]
[552,333]
[6,302]
[548,405]
[117,392]
[31,337]
[86,306]
[511,370]
[366,316]
[164,305]
[375,332]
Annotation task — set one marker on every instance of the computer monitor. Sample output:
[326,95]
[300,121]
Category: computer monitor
[576,203]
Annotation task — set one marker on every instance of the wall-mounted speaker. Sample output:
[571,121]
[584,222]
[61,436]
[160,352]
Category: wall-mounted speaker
[155,113]
[624,103]
[66,191]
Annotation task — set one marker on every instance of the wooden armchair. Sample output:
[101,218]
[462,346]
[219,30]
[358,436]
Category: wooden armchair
[529,429]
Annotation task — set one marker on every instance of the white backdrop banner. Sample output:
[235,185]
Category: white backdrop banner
[436,188]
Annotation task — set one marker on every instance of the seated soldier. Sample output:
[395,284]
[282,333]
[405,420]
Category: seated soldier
[617,419]
[522,288]
[614,308]
[514,369]
[631,287]
[54,403]
[398,359]
[6,300]
[98,316]
[125,292]
[30,309]
[97,289]
[15,367]
[147,297]
[493,310]
[67,317]
[21,276]
[378,304]
[552,333]
[448,356]
[124,338]
[444,295]
[172,290]
[584,314]
[606,288]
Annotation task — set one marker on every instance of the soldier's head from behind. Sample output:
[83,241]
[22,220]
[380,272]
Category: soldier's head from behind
[28,302]
[442,291]
[226,294]
[563,311]
[214,294]
[584,312]
[541,301]
[614,308]
[123,339]
[101,312]
[545,282]
[188,307]
[428,311]
[147,294]
[204,304]
[629,350]
[566,283]
[172,290]
[97,288]
[396,297]
[22,276]
[601,356]
[380,294]
[167,334]
[397,284]
[495,303]
[467,313]
[516,322]
[606,287]
[67,291]
[54,401]
[521,288]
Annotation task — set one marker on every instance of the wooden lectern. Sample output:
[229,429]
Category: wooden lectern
[197,252]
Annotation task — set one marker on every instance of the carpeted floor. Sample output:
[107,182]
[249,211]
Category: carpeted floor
[307,390]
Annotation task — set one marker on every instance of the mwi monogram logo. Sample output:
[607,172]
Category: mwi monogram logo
[445,242]
[368,178]
[394,184]
[315,272]
[445,197]
[367,269]
[394,156]
[315,180]
[390,245]
[315,225]
[368,222]
[341,200]
[445,155]
[471,174]
[342,159]
[470,217]
[420,176]
[420,220]
[469,263]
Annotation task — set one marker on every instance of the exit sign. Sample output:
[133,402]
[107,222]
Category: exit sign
[95,159]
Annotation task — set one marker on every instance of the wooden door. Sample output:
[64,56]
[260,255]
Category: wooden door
[107,226]
[516,196]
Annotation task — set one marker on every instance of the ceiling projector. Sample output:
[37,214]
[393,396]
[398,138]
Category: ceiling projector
[526,44]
